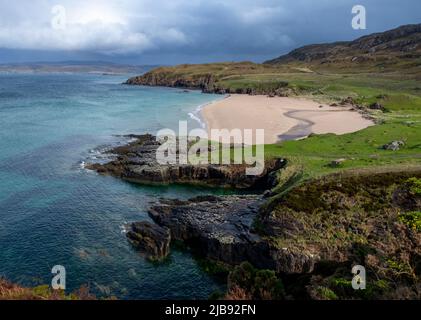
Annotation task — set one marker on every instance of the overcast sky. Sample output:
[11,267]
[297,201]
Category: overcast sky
[184,31]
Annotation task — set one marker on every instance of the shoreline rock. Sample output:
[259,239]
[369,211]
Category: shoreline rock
[223,229]
[207,83]
[136,162]
[153,240]
[317,231]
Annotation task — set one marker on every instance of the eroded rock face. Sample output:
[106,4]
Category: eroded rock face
[168,79]
[222,229]
[206,82]
[137,163]
[151,239]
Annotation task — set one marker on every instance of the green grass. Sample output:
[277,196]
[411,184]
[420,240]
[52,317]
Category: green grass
[398,91]
[361,149]
[414,186]
[326,293]
[412,220]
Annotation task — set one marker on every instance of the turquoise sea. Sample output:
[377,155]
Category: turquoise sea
[54,212]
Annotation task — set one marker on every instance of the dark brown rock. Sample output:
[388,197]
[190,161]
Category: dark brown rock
[151,239]
[377,106]
[348,101]
[222,229]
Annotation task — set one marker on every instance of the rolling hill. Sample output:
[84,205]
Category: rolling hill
[395,49]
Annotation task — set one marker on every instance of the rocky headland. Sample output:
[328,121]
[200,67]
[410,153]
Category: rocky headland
[207,82]
[310,236]
[136,162]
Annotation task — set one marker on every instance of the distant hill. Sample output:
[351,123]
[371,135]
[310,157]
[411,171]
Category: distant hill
[75,66]
[316,69]
[208,77]
[397,48]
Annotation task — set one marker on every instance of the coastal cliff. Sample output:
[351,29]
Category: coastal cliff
[214,78]
[317,231]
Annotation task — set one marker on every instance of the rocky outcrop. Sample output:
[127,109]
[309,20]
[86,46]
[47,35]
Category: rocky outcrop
[314,224]
[151,239]
[316,231]
[207,82]
[394,145]
[159,77]
[223,229]
[218,78]
[136,162]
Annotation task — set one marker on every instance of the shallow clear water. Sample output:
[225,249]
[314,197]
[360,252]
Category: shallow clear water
[53,212]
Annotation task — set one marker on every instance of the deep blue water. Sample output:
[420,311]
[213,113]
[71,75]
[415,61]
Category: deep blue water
[54,212]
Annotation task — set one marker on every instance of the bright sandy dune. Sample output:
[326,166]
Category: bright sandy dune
[282,118]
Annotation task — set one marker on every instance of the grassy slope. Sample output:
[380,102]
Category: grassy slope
[398,89]
[402,98]
[401,95]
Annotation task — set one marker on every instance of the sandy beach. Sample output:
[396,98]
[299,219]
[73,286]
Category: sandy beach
[282,118]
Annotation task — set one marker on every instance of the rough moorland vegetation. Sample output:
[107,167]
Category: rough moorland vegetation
[11,291]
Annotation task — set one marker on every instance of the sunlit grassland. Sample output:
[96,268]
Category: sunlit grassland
[363,149]
[398,91]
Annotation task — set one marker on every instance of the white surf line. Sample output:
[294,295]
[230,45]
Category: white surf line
[197,114]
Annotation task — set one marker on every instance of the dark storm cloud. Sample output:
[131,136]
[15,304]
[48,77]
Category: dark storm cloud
[176,31]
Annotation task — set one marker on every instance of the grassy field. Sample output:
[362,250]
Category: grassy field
[398,91]
[401,96]
[402,121]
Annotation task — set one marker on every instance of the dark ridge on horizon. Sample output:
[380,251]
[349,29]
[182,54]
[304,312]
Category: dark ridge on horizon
[404,39]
